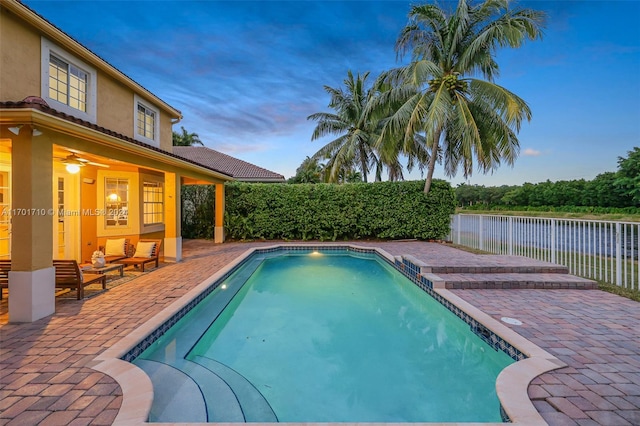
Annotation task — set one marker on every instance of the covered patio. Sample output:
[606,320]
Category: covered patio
[67,185]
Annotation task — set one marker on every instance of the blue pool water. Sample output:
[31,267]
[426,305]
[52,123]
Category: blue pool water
[322,338]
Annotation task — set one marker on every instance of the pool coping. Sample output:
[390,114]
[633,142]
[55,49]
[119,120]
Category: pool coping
[511,384]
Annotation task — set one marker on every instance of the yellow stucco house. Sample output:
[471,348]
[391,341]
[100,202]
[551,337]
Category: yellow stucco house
[85,155]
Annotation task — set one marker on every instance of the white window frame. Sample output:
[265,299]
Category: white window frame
[152,203]
[156,124]
[47,49]
[133,211]
[117,210]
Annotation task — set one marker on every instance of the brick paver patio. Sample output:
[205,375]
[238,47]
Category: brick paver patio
[46,379]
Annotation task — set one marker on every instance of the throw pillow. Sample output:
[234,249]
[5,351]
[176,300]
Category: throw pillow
[144,249]
[115,247]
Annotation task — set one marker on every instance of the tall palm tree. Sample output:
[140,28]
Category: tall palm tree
[441,94]
[356,131]
[185,138]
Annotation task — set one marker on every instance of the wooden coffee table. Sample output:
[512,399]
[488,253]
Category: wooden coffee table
[106,268]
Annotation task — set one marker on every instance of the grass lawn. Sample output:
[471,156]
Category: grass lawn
[620,291]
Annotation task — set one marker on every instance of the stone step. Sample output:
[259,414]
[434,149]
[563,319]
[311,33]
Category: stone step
[510,281]
[484,264]
[493,269]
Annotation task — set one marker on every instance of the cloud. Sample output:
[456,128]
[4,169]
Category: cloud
[530,152]
[235,148]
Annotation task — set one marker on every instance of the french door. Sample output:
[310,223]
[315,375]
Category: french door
[66,216]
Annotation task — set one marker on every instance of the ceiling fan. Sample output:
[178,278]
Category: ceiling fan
[74,162]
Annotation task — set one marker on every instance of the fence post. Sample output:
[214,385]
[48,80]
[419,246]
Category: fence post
[618,255]
[459,228]
[480,235]
[553,240]
[510,235]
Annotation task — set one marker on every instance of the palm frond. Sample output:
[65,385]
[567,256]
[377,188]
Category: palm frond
[511,108]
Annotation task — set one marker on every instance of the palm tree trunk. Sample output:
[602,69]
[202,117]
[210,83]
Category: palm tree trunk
[432,164]
[363,165]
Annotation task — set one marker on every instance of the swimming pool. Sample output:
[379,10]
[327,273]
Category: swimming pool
[322,337]
[137,388]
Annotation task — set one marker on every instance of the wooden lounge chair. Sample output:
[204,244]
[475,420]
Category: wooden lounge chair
[68,276]
[137,260]
[5,267]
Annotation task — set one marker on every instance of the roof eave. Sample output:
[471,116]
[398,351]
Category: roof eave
[258,180]
[61,38]
[44,120]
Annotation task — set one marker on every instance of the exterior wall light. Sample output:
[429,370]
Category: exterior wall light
[16,129]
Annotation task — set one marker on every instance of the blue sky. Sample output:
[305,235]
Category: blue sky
[246,74]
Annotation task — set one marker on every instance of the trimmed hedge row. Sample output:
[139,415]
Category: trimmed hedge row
[386,210]
[197,211]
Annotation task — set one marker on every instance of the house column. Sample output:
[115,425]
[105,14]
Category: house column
[172,218]
[32,276]
[218,233]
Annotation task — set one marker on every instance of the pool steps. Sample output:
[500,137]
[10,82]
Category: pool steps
[175,403]
[225,395]
[493,275]
[254,406]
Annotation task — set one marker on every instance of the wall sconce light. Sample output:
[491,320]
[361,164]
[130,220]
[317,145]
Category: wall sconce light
[16,129]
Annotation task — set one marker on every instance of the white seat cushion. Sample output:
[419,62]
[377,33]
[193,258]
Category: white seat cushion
[115,247]
[144,249]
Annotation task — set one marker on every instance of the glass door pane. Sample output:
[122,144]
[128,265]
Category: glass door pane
[5,216]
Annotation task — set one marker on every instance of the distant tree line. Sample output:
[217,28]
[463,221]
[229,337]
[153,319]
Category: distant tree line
[620,189]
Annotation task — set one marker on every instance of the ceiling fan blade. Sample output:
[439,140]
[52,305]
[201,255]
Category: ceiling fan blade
[73,159]
[97,164]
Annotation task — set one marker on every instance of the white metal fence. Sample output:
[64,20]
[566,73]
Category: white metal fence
[600,250]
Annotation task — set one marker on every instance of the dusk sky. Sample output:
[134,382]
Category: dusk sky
[246,74]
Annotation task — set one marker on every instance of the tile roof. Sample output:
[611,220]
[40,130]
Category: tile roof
[240,170]
[35,102]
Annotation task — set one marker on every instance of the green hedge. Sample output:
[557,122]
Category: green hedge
[197,211]
[386,210]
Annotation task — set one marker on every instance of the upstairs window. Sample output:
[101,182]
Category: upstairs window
[68,84]
[147,122]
